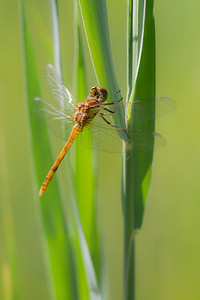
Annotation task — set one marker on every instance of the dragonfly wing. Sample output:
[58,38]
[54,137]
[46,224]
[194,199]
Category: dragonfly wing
[106,138]
[145,109]
[59,122]
[61,94]
[148,109]
[145,141]
[101,138]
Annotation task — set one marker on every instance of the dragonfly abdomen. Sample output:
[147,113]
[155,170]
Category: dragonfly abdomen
[75,132]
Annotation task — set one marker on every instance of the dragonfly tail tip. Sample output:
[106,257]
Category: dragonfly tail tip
[41,192]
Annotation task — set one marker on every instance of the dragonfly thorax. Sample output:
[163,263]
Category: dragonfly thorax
[86,111]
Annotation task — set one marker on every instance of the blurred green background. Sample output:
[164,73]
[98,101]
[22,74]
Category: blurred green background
[168,245]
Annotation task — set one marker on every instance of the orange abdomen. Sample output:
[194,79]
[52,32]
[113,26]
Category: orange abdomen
[75,132]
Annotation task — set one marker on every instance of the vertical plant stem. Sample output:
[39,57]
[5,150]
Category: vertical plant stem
[137,165]
[129,252]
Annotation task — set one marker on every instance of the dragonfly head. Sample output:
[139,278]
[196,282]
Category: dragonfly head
[99,93]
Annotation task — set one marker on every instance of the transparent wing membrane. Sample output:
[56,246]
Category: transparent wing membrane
[60,114]
[145,109]
[60,93]
[145,140]
[148,109]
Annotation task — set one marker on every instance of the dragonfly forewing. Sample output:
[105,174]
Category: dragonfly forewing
[62,96]
[148,109]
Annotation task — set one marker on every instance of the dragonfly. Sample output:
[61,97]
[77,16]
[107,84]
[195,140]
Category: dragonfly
[95,115]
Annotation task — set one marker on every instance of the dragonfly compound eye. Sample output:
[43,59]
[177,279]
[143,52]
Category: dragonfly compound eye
[103,93]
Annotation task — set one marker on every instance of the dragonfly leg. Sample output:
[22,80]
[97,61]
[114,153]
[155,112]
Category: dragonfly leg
[109,110]
[115,96]
[112,103]
[102,116]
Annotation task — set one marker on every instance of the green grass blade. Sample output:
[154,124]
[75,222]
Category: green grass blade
[85,187]
[94,292]
[137,165]
[144,88]
[56,37]
[85,163]
[130,53]
[94,15]
[136,18]
[61,259]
